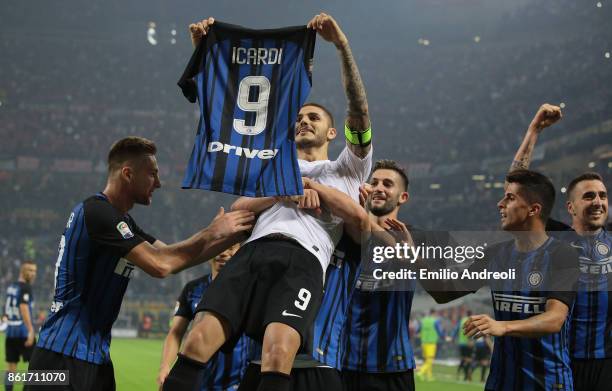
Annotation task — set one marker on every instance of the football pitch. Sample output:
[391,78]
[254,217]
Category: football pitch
[136,362]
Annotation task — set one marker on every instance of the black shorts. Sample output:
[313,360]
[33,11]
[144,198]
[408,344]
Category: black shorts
[83,375]
[466,351]
[389,381]
[15,348]
[482,353]
[267,280]
[592,375]
[302,379]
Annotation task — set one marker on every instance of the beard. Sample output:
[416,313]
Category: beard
[315,142]
[385,209]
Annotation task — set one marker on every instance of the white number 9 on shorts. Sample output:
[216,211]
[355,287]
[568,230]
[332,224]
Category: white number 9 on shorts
[303,299]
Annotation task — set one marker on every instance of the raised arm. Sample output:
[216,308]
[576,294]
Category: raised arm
[357,117]
[545,116]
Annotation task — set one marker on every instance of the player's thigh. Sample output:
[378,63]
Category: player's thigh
[13,349]
[429,350]
[296,296]
[229,294]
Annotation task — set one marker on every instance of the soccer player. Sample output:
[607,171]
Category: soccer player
[430,331]
[100,247]
[466,349]
[531,324]
[20,336]
[377,351]
[587,204]
[227,368]
[282,264]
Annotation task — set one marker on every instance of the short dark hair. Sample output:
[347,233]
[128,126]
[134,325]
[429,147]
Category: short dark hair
[536,188]
[129,148]
[386,164]
[587,176]
[329,114]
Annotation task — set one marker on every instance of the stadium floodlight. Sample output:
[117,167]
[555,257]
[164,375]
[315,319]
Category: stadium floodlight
[563,190]
[478,177]
[599,5]
[562,105]
[591,164]
[151,34]
[607,55]
[477,38]
[434,186]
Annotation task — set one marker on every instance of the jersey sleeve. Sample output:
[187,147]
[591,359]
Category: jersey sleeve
[186,82]
[354,167]
[182,305]
[107,227]
[138,231]
[564,272]
[25,295]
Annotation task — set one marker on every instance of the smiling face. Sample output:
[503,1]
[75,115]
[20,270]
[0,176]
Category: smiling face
[388,192]
[588,205]
[515,210]
[143,179]
[313,128]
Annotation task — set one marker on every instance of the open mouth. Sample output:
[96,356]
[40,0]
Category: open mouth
[305,130]
[379,197]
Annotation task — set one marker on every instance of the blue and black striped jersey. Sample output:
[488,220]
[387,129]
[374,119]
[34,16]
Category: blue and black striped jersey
[17,293]
[223,370]
[250,85]
[340,278]
[591,331]
[91,277]
[549,272]
[377,332]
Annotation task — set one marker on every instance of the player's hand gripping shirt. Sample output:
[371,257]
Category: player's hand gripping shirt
[16,294]
[226,369]
[250,85]
[91,277]
[319,235]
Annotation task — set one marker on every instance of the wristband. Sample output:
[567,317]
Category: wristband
[358,138]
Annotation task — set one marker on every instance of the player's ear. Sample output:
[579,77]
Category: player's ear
[570,208]
[404,197]
[331,134]
[535,209]
[127,173]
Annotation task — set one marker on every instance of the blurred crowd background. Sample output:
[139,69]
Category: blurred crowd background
[452,86]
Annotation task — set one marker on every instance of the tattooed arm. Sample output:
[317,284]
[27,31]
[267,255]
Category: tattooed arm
[357,117]
[545,117]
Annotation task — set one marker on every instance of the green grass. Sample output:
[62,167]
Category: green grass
[446,380]
[136,362]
